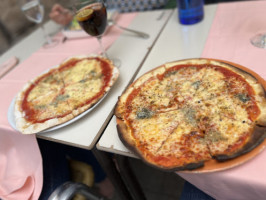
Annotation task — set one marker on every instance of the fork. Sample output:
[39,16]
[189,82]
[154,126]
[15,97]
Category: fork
[138,33]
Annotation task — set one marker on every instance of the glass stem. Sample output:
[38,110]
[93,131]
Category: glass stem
[263,40]
[47,37]
[99,38]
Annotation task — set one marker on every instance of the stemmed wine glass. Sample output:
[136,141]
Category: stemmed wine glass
[34,11]
[259,40]
[92,17]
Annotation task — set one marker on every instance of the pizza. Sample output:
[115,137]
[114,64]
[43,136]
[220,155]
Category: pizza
[63,93]
[182,114]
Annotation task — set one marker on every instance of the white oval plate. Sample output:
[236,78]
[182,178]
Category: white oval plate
[12,121]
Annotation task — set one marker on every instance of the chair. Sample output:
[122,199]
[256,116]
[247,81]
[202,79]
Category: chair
[135,5]
[68,190]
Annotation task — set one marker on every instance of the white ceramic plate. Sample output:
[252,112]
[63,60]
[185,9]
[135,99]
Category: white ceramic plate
[11,117]
[12,121]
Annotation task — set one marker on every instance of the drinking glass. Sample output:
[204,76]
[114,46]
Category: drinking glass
[92,17]
[34,11]
[190,11]
[259,40]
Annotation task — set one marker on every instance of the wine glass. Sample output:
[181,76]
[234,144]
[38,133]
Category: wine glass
[92,17]
[34,11]
[259,40]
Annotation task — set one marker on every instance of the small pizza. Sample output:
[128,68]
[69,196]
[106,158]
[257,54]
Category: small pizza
[63,93]
[184,113]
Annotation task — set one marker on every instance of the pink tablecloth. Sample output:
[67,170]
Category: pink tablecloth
[229,39]
[20,158]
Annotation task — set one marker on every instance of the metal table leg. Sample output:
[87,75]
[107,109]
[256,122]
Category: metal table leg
[129,177]
[113,174]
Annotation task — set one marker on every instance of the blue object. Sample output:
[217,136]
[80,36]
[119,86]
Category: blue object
[190,11]
[190,192]
[56,170]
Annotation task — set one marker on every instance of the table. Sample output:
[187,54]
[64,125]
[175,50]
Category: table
[95,122]
[85,132]
[185,42]
[138,56]
[242,182]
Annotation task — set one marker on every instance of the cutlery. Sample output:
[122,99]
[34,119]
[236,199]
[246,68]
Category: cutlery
[138,33]
[161,15]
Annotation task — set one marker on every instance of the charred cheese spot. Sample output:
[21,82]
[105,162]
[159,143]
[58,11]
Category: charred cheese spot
[190,113]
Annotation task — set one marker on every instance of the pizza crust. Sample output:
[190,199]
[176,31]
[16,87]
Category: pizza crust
[259,90]
[119,108]
[123,135]
[129,142]
[258,135]
[27,127]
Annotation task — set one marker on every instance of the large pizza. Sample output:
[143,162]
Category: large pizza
[63,93]
[182,114]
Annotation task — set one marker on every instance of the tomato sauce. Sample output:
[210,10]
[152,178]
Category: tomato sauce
[252,109]
[32,115]
[242,140]
[107,74]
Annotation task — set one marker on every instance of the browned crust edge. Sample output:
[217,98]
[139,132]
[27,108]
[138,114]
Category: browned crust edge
[259,89]
[130,144]
[32,128]
[258,136]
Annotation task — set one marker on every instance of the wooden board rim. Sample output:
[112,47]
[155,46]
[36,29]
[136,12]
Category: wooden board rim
[214,165]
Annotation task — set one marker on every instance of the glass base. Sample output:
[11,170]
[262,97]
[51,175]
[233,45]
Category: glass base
[51,43]
[259,40]
[116,62]
[190,21]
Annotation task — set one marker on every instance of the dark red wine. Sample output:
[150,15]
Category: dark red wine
[93,19]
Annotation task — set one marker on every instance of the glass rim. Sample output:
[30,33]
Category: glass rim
[78,4]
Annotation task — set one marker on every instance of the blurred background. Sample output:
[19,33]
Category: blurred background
[14,25]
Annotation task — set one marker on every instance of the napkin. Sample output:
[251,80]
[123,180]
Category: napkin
[20,158]
[232,28]
[17,179]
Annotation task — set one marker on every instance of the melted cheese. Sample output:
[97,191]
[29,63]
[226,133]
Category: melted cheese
[59,92]
[185,143]
[195,114]
[83,70]
[153,131]
[81,92]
